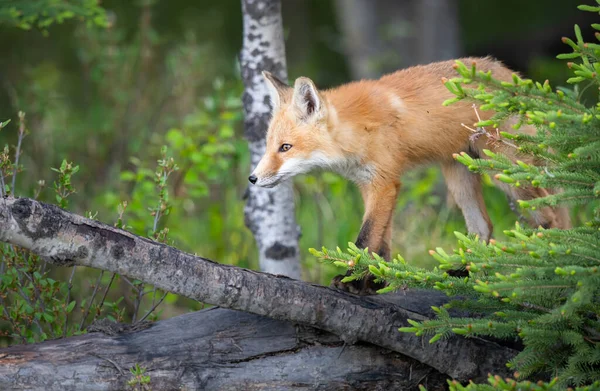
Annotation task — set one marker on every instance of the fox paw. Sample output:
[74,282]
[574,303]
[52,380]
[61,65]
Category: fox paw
[364,287]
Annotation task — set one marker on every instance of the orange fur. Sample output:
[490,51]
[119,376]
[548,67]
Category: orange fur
[372,131]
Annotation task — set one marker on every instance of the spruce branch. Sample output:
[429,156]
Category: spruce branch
[481,130]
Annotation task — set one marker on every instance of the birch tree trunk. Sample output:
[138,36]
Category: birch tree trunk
[269,212]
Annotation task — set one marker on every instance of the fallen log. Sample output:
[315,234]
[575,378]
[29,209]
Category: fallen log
[68,239]
[214,349]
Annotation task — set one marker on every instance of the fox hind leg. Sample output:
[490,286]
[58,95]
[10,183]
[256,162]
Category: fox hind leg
[546,217]
[466,191]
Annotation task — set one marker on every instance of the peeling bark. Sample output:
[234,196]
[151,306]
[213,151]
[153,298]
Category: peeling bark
[269,212]
[215,349]
[65,238]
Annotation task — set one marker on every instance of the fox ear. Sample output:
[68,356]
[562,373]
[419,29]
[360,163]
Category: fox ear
[306,97]
[277,89]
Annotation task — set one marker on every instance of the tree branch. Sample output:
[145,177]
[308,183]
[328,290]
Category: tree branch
[68,239]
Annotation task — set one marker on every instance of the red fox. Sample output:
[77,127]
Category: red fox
[372,131]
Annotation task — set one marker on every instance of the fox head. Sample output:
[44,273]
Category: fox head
[298,137]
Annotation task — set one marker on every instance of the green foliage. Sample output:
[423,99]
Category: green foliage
[204,147]
[64,187]
[6,169]
[497,383]
[541,286]
[566,141]
[139,380]
[41,14]
[34,304]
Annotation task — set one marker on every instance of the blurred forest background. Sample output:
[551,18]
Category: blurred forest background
[165,72]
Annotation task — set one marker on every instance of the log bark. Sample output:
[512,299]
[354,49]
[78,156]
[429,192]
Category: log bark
[68,239]
[269,212]
[214,349]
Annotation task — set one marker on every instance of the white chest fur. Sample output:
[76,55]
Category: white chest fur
[350,168]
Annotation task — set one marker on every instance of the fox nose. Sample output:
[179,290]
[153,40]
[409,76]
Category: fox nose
[252,179]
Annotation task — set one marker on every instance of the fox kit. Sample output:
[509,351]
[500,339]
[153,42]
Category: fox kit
[372,131]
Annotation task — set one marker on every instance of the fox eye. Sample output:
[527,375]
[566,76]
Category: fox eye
[285,147]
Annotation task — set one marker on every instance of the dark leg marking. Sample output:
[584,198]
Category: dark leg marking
[366,286]
[472,152]
[369,286]
[363,235]
[384,251]
[355,287]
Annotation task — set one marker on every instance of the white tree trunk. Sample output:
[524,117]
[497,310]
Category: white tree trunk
[269,212]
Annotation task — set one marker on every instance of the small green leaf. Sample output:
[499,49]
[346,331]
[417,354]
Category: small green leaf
[408,329]
[460,331]
[574,80]
[460,236]
[588,8]
[349,278]
[414,323]
[451,101]
[568,56]
[375,271]
[435,338]
[48,317]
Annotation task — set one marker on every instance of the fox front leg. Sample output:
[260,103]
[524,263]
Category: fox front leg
[375,233]
[376,230]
